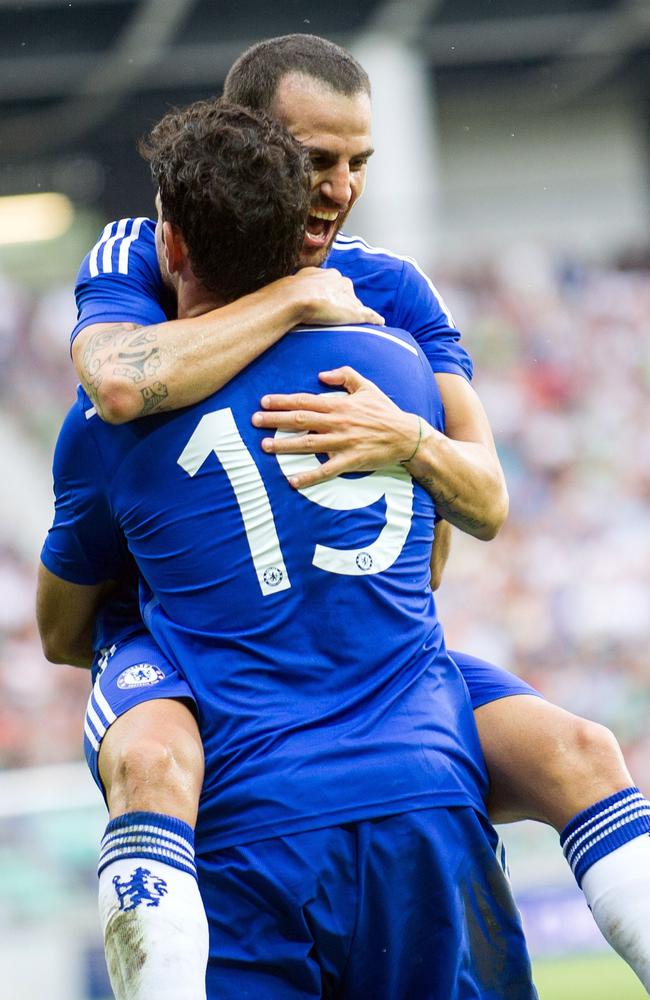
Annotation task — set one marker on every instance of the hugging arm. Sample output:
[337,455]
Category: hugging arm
[365,430]
[130,370]
[83,552]
[440,552]
[65,615]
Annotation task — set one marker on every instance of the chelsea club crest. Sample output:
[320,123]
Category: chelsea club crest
[140,675]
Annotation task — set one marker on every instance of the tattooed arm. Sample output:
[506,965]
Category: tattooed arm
[117,365]
[130,371]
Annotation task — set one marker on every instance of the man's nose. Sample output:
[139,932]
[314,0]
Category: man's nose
[336,185]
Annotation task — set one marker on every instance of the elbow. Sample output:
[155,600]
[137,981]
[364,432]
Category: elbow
[53,648]
[117,402]
[57,648]
[497,516]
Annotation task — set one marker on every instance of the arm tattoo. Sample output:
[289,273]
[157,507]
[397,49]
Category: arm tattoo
[127,352]
[152,396]
[445,507]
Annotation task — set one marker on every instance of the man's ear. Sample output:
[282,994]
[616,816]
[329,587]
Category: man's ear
[174,247]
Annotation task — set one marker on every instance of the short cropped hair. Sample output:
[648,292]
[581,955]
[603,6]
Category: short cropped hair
[253,79]
[236,184]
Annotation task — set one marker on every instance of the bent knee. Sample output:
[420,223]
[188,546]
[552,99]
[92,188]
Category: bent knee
[586,743]
[152,768]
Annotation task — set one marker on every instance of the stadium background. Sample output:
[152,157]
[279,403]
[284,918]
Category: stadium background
[513,161]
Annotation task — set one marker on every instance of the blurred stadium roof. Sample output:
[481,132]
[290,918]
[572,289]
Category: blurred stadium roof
[81,79]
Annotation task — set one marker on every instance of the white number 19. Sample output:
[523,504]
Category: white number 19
[217,432]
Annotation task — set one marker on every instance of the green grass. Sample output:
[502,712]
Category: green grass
[589,977]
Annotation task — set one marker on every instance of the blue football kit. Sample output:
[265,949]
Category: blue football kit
[338,732]
[120,281]
[276,577]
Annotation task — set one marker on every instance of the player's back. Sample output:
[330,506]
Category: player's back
[303,621]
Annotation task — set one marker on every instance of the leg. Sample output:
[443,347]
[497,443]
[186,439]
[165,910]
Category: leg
[147,754]
[281,914]
[545,763]
[151,760]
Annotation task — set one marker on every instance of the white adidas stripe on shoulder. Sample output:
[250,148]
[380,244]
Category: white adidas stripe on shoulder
[94,253]
[344,243]
[360,329]
[101,255]
[125,246]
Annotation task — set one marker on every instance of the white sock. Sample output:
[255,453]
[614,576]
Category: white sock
[617,889]
[608,848]
[152,915]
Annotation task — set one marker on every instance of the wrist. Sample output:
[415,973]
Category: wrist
[416,460]
[416,444]
[284,301]
[296,298]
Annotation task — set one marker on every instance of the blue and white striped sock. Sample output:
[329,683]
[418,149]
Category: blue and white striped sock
[149,835]
[608,848]
[604,827]
[150,905]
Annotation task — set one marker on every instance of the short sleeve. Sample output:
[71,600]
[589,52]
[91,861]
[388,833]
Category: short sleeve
[83,545]
[420,309]
[119,281]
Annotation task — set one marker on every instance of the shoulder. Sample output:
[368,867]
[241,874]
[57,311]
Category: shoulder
[357,258]
[123,245]
[355,250]
[119,280]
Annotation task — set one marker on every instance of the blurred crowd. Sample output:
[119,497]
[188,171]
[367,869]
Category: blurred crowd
[562,596]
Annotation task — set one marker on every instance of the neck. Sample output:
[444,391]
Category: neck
[194,299]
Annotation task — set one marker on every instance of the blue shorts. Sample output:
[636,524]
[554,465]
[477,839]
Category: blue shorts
[125,676]
[407,907]
[486,683]
[137,671]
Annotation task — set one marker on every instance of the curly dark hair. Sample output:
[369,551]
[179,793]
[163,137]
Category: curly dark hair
[253,79]
[236,184]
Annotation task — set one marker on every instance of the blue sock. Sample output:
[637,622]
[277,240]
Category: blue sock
[602,828]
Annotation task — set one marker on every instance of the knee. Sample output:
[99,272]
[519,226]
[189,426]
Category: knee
[146,762]
[144,772]
[587,766]
[587,746]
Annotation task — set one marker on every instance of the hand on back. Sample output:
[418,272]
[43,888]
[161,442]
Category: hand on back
[330,299]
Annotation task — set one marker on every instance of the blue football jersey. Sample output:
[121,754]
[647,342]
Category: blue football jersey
[95,556]
[303,621]
[396,288]
[120,281]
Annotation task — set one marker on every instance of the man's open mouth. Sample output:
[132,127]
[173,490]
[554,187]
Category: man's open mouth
[320,227]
